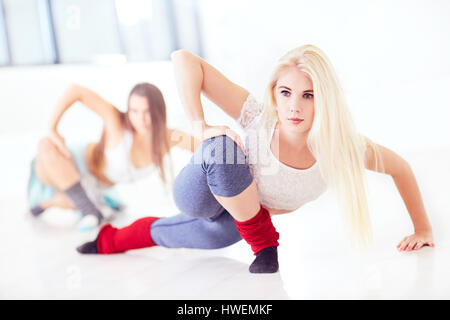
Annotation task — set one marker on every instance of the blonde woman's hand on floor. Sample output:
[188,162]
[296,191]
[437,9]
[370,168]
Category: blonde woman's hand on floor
[416,241]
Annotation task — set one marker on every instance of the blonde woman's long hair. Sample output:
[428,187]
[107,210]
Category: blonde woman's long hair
[333,139]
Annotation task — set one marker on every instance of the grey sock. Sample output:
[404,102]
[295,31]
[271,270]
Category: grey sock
[266,261]
[81,201]
[88,247]
[36,211]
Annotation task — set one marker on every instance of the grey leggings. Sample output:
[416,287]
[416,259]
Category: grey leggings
[218,167]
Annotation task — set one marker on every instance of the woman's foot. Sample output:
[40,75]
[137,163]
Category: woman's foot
[88,222]
[266,261]
[36,211]
[88,248]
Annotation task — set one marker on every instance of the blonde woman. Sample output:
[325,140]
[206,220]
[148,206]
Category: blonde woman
[300,141]
[133,145]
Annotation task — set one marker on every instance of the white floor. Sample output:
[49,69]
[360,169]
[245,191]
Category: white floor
[38,257]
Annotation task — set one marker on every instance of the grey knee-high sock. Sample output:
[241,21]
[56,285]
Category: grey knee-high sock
[36,211]
[81,201]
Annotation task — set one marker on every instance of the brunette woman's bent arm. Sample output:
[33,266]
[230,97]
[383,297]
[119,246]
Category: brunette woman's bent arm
[90,99]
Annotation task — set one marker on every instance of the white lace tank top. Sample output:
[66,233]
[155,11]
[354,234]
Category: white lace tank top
[119,167]
[279,186]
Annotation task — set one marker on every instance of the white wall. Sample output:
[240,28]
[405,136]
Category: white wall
[391,56]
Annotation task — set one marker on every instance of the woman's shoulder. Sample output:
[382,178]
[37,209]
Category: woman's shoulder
[251,112]
[117,137]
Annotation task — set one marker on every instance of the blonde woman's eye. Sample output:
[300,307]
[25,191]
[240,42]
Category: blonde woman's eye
[308,96]
[285,93]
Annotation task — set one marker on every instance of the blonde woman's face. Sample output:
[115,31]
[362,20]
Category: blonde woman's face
[139,113]
[294,97]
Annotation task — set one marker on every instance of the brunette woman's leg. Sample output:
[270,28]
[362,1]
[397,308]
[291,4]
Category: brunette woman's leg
[54,169]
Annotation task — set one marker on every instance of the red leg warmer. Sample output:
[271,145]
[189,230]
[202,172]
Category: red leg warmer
[134,236]
[259,231]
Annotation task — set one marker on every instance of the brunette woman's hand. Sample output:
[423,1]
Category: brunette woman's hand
[416,241]
[59,143]
[203,131]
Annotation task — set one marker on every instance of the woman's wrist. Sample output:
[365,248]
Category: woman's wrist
[53,124]
[52,129]
[423,229]
[198,126]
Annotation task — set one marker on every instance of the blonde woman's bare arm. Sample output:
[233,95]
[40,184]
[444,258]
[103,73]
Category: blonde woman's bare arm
[195,76]
[386,161]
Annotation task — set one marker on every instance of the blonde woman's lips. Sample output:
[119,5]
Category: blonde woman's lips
[295,120]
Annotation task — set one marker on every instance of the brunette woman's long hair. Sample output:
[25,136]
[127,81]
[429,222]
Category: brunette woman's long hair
[160,142]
